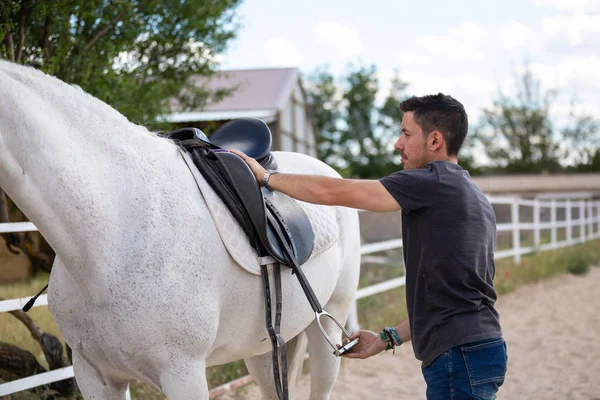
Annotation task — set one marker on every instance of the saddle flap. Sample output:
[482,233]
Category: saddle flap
[282,220]
[293,221]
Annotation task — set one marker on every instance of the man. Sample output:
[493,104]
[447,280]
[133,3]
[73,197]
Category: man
[449,235]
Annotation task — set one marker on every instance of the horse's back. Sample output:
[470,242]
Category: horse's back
[298,163]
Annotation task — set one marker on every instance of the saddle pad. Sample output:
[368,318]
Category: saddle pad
[322,219]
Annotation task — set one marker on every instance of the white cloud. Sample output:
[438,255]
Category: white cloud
[570,5]
[569,71]
[469,32]
[474,92]
[546,74]
[576,29]
[517,35]
[460,43]
[431,83]
[412,58]
[562,111]
[447,48]
[281,52]
[341,38]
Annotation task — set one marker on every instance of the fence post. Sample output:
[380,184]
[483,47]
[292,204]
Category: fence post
[516,230]
[598,219]
[536,224]
[569,219]
[590,219]
[581,221]
[553,223]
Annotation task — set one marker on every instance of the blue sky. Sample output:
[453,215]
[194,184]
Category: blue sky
[468,49]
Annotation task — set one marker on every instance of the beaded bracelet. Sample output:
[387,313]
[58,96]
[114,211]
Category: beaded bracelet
[388,341]
[391,331]
[391,338]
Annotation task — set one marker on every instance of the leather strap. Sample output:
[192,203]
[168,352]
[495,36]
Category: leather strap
[277,341]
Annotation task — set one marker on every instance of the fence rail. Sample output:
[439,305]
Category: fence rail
[587,223]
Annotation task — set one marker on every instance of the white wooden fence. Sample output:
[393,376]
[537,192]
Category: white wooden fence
[587,224]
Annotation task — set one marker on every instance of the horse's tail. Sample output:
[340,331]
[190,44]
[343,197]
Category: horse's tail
[296,350]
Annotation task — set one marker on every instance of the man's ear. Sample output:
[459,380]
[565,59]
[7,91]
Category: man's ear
[436,140]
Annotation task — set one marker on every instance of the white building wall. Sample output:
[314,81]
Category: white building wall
[286,125]
[296,130]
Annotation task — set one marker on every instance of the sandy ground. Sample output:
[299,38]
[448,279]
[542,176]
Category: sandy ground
[551,329]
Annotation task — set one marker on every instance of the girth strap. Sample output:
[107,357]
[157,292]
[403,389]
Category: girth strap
[277,341]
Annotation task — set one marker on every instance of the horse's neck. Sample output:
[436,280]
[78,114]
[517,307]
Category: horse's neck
[73,165]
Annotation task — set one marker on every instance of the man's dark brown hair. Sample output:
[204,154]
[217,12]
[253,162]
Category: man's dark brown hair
[439,112]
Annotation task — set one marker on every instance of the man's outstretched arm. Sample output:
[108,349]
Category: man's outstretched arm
[355,193]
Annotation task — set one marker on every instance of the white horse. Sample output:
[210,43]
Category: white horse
[143,287]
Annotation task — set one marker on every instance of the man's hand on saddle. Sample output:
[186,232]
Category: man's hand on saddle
[369,344]
[257,169]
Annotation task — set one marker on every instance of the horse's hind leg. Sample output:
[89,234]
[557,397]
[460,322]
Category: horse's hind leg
[185,381]
[261,368]
[95,386]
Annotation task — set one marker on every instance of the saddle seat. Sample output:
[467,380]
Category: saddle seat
[271,220]
[248,135]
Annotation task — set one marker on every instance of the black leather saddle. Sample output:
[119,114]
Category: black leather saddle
[271,220]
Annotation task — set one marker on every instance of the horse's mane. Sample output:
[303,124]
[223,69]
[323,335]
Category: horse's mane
[29,75]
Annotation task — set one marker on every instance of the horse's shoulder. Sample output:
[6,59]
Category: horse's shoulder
[292,162]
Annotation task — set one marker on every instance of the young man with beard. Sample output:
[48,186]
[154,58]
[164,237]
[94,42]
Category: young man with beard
[449,236]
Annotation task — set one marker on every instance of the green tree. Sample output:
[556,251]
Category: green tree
[582,143]
[520,134]
[356,134]
[132,54]
[592,164]
[517,133]
[325,103]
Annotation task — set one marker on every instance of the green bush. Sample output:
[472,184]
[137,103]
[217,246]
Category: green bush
[578,263]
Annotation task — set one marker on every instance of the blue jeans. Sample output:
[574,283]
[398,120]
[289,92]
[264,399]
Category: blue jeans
[470,371]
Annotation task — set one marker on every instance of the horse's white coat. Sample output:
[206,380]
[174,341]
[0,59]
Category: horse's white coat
[142,287]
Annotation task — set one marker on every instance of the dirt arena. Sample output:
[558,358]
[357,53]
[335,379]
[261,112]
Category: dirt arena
[551,329]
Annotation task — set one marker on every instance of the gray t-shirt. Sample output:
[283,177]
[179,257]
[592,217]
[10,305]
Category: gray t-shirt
[449,236]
